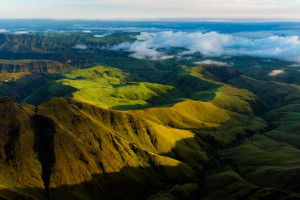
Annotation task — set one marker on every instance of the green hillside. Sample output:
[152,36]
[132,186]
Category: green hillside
[90,123]
[74,149]
[112,88]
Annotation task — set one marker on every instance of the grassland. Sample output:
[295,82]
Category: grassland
[112,88]
[72,145]
[132,129]
[78,148]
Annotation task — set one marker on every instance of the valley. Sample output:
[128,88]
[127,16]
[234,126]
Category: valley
[92,123]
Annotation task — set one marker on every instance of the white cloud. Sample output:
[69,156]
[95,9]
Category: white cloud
[276,72]
[86,31]
[157,45]
[295,65]
[80,46]
[210,62]
[100,36]
[3,30]
[20,32]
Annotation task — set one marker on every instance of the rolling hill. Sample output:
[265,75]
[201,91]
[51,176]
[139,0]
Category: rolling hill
[89,123]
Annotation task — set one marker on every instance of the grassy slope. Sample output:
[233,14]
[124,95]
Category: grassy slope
[113,88]
[86,143]
[79,144]
[152,140]
[109,88]
[263,166]
[260,168]
[283,101]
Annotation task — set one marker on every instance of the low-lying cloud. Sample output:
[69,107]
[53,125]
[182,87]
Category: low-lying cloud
[20,32]
[80,46]
[276,72]
[210,62]
[157,46]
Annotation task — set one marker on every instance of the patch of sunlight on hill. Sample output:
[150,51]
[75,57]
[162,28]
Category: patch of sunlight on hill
[112,88]
[188,114]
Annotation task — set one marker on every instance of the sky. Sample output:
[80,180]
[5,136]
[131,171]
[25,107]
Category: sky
[111,9]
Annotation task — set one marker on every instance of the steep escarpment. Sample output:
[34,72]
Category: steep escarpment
[32,66]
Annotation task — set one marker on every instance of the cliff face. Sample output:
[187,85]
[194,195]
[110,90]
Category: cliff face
[23,42]
[33,66]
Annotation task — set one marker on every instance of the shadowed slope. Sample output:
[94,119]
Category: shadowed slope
[283,101]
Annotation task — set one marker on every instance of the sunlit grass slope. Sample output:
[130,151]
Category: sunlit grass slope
[109,88]
[79,150]
[68,143]
[112,88]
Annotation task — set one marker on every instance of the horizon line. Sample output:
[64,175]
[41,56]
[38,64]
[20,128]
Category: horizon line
[167,19]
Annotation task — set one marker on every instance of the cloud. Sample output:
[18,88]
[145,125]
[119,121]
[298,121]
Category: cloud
[20,32]
[3,30]
[80,46]
[157,46]
[100,36]
[276,72]
[86,31]
[210,62]
[295,65]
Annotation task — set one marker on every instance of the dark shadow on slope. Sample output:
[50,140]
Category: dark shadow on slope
[128,189]
[130,183]
[36,88]
[51,89]
[168,99]
[136,183]
[13,136]
[189,85]
[26,85]
[44,129]
[9,127]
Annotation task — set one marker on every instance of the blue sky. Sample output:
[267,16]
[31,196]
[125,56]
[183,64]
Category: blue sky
[150,9]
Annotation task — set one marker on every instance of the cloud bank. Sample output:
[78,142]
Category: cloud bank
[80,46]
[158,46]
[276,72]
[210,62]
